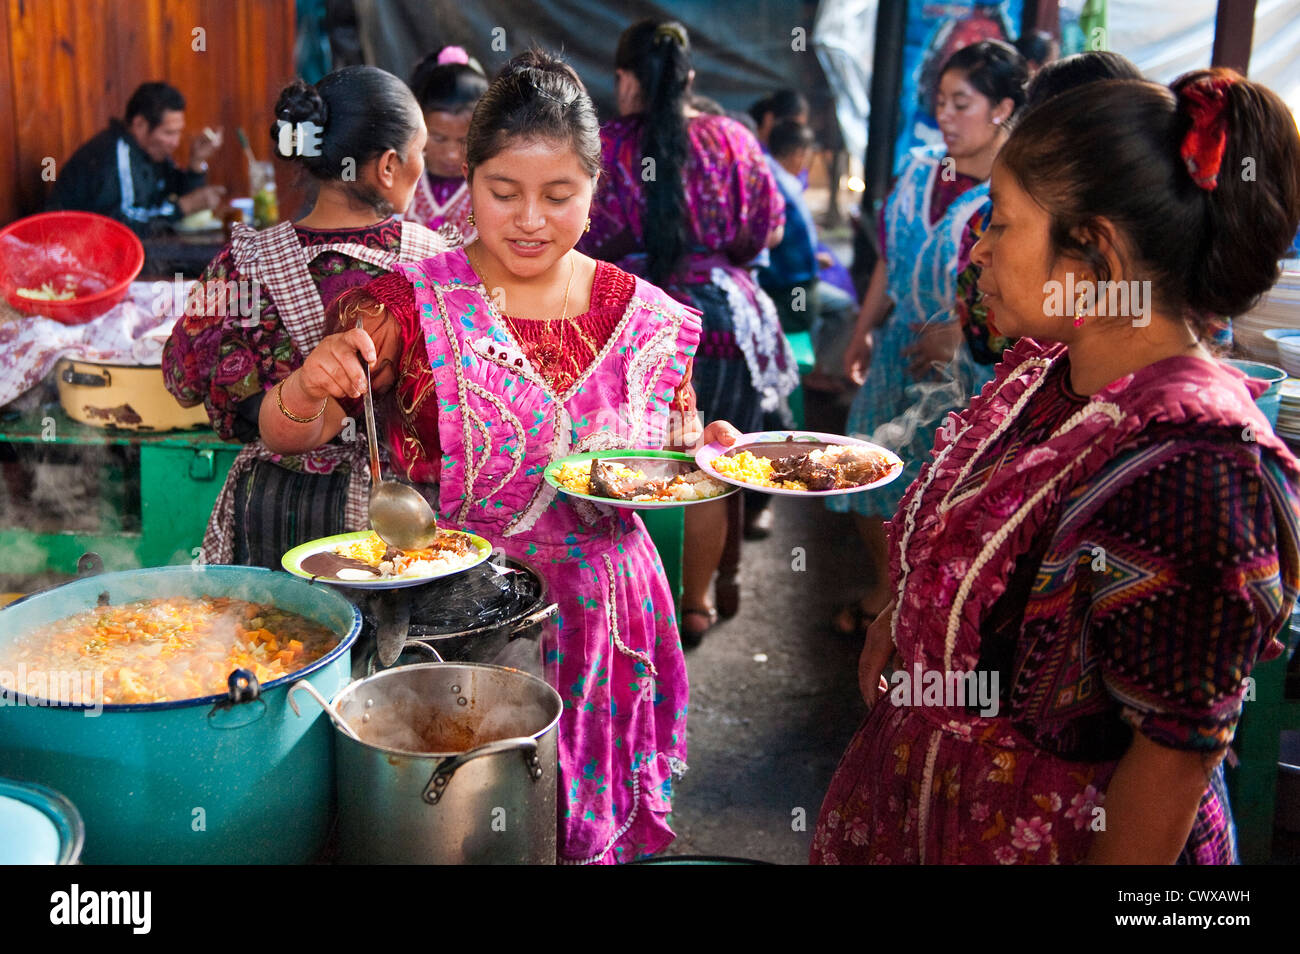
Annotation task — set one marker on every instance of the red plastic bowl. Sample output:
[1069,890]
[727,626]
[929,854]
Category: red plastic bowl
[97,256]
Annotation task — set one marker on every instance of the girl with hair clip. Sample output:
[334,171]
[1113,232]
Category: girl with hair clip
[502,357]
[688,202]
[358,136]
[448,85]
[1109,531]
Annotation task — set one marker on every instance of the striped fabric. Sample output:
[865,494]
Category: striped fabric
[125,181]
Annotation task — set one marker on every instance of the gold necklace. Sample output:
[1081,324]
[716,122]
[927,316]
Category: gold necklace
[564,312]
[562,377]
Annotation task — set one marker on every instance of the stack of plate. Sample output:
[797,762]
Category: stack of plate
[1280,308]
[1288,412]
[1287,343]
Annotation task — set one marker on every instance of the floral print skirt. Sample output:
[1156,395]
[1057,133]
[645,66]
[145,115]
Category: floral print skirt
[938,786]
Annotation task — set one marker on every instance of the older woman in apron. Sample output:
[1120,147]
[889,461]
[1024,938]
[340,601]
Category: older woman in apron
[359,134]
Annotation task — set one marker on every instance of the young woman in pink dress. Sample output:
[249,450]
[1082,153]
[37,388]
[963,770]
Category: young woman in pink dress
[502,357]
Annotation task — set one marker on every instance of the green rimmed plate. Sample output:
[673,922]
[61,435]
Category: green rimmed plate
[652,463]
[292,561]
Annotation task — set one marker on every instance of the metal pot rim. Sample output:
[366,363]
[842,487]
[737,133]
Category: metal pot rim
[436,756]
[345,645]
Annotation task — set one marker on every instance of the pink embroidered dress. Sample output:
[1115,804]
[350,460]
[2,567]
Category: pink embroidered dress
[1110,633]
[443,205]
[617,660]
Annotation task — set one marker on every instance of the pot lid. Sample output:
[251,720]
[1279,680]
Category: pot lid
[38,826]
[480,598]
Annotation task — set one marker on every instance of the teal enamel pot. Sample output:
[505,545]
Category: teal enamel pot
[226,779]
[1270,401]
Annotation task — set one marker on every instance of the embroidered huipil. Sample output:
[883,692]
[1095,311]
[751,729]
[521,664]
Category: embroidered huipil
[617,659]
[744,365]
[1120,561]
[443,205]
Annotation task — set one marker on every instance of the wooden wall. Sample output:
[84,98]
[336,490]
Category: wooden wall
[68,66]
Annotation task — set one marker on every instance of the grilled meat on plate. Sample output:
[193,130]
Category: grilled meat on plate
[620,483]
[811,472]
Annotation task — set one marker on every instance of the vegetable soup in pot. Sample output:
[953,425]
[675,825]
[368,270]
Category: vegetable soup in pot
[167,649]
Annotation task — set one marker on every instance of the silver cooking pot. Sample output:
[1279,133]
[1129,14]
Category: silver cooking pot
[454,763]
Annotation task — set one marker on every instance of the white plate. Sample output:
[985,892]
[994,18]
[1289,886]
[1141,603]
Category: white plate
[292,561]
[771,443]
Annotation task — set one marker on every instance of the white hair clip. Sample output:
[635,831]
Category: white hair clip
[298,139]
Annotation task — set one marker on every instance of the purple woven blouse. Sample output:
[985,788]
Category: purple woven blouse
[732,199]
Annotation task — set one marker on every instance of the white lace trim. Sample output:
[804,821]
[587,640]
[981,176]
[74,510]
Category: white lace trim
[626,827]
[764,327]
[909,518]
[927,786]
[611,614]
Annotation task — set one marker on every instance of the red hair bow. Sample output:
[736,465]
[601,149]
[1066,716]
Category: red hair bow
[1204,143]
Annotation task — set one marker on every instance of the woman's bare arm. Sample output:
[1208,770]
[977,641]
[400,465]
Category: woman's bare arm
[875,306]
[1151,804]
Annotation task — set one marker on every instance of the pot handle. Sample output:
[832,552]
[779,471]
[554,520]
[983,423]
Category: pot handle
[441,777]
[537,616]
[409,644]
[422,647]
[330,711]
[101,379]
[243,704]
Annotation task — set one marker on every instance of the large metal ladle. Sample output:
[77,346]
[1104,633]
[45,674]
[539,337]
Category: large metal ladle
[402,518]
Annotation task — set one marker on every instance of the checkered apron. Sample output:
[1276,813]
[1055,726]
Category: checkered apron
[275,258]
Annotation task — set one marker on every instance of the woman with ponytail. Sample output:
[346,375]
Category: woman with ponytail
[358,138]
[448,85]
[1105,542]
[687,203]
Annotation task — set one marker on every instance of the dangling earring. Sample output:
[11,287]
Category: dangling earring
[587,227]
[470,221]
[1078,310]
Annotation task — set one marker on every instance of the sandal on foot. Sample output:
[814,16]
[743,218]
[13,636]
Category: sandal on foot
[692,636]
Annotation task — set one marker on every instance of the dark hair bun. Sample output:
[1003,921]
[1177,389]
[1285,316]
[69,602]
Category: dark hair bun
[535,96]
[361,112]
[300,103]
[551,75]
[1207,252]
[1254,209]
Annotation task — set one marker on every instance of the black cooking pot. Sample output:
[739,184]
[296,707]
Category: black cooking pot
[492,613]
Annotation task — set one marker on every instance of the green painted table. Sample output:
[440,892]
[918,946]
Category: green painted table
[181,473]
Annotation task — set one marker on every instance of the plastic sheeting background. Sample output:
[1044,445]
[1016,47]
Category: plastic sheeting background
[1163,39]
[742,49]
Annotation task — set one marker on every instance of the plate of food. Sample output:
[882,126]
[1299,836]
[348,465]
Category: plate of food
[364,561]
[197,222]
[800,463]
[635,479]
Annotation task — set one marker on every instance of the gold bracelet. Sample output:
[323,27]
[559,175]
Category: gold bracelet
[279,399]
